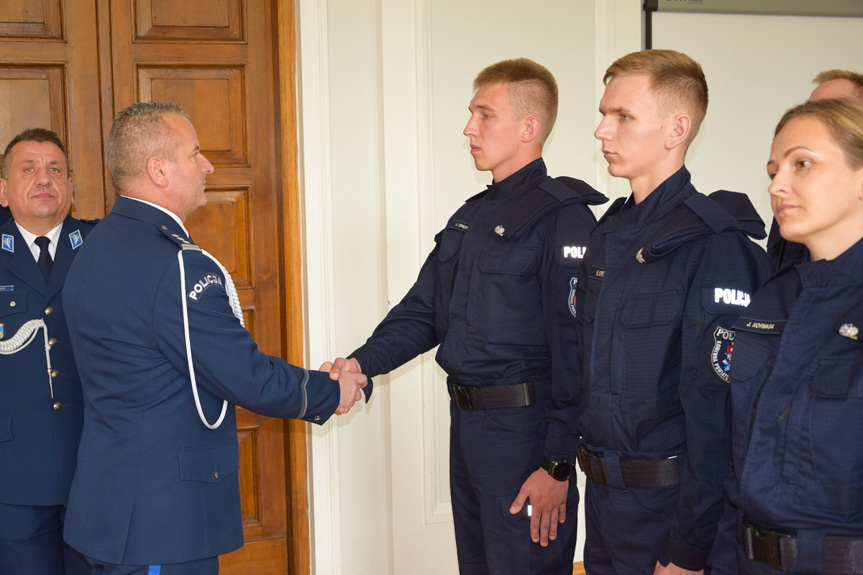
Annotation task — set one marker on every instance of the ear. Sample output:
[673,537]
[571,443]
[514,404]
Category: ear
[3,200]
[156,171]
[72,191]
[680,128]
[532,128]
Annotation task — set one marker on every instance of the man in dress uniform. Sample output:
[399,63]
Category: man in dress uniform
[164,357]
[496,294]
[41,410]
[667,272]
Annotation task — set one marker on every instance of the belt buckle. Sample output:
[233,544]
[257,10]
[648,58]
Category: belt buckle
[592,465]
[460,396]
[766,546]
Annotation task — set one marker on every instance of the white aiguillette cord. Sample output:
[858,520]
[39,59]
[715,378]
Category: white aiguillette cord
[235,307]
[24,337]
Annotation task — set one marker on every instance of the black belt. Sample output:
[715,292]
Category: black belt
[635,472]
[491,397]
[779,550]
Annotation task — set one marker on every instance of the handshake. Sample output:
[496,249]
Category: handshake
[351,380]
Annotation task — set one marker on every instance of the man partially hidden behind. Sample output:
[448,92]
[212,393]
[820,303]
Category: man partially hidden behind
[157,328]
[667,272]
[41,409]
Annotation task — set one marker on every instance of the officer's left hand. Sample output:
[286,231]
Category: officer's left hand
[548,500]
[672,569]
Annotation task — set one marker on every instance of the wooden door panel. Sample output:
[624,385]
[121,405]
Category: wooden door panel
[31,96]
[30,19]
[191,20]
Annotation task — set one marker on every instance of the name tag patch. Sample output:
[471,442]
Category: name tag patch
[204,283]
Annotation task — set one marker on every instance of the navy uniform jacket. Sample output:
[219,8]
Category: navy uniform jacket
[797,399]
[497,294]
[655,337]
[153,484]
[38,443]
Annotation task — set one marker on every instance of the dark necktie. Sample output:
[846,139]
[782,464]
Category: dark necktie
[45,260]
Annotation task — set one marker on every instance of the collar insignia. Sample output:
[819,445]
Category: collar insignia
[76,239]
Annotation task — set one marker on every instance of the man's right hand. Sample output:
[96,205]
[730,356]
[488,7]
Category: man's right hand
[351,381]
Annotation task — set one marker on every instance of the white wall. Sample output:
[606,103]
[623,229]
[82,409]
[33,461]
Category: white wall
[385,86]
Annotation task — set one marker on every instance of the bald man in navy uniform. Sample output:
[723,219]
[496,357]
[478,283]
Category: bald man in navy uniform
[40,418]
[164,358]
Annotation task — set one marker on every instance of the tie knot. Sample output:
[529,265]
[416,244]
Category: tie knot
[42,242]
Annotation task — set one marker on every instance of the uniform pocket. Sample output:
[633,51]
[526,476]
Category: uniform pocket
[12,302]
[506,299]
[208,465]
[652,323]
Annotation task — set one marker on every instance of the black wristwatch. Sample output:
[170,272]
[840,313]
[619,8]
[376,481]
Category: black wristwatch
[559,469]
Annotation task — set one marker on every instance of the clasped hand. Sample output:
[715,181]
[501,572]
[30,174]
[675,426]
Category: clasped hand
[351,380]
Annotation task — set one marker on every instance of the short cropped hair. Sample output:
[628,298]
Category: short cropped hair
[140,132]
[531,90]
[675,78]
[842,117]
[32,135]
[854,77]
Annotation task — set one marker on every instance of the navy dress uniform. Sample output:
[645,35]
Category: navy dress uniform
[797,399]
[154,484]
[497,294]
[664,280]
[40,419]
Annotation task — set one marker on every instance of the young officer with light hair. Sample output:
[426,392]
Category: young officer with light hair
[496,294]
[666,274]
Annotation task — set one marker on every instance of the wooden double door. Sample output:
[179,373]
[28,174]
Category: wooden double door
[71,65]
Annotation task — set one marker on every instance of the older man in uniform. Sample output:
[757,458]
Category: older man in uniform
[164,358]
[41,410]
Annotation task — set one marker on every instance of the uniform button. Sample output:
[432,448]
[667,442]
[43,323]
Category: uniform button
[55,374]
[164,227]
[217,475]
[52,342]
[316,418]
[12,304]
[49,310]
[58,406]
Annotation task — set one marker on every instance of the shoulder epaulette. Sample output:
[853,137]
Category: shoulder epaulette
[551,194]
[700,216]
[184,243]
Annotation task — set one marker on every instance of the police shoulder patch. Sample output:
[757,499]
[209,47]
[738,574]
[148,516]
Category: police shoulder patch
[720,355]
[205,282]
